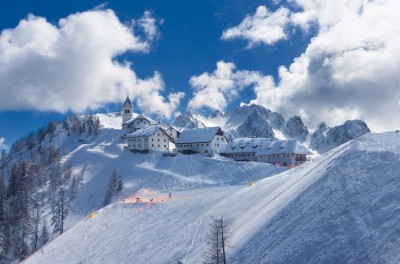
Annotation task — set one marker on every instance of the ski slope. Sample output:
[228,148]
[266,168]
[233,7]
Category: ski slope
[342,207]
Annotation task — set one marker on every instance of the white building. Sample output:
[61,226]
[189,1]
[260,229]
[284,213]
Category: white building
[173,133]
[244,149]
[150,138]
[282,152]
[139,122]
[206,141]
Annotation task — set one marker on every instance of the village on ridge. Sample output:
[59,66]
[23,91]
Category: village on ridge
[144,134]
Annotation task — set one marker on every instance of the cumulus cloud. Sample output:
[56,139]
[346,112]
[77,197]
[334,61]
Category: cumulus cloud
[73,66]
[349,69]
[3,144]
[262,27]
[216,90]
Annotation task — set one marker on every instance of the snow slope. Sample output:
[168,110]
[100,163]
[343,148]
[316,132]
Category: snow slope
[343,207]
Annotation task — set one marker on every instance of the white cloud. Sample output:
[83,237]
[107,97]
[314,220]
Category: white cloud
[72,65]
[3,144]
[349,69]
[216,90]
[263,27]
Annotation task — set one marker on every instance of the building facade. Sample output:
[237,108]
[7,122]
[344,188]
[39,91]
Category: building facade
[281,152]
[244,149]
[207,141]
[173,133]
[147,139]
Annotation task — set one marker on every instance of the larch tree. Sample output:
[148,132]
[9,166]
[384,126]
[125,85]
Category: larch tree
[218,241]
[60,211]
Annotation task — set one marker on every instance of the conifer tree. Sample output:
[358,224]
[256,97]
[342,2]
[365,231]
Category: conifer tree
[60,211]
[115,185]
[35,244]
[218,241]
[3,218]
[44,234]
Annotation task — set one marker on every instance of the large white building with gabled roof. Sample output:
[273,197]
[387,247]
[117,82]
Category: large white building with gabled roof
[283,152]
[206,141]
[149,138]
[244,149]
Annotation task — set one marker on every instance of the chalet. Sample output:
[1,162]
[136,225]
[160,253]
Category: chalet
[206,141]
[137,123]
[244,149]
[150,138]
[284,152]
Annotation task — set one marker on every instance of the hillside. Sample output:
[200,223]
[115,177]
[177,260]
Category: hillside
[340,207]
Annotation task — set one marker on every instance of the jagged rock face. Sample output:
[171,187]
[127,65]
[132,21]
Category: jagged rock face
[295,128]
[325,138]
[277,120]
[216,114]
[254,122]
[248,109]
[256,125]
[188,121]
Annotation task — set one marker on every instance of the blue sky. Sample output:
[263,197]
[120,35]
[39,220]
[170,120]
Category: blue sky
[295,57]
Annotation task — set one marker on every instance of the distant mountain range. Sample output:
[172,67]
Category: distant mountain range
[257,121]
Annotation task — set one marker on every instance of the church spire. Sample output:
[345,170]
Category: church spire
[128,101]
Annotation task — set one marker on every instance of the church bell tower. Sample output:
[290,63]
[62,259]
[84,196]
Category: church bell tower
[127,110]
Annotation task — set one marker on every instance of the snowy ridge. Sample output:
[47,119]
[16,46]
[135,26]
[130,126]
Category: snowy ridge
[257,121]
[342,207]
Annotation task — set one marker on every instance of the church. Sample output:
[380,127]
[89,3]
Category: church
[143,133]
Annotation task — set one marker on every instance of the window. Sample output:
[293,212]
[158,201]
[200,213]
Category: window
[158,145]
[158,140]
[198,144]
[205,151]
[165,146]
[152,139]
[207,144]
[152,145]
[165,140]
[202,145]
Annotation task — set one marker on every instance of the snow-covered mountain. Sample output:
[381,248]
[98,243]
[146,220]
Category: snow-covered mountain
[342,207]
[257,121]
[188,121]
[326,138]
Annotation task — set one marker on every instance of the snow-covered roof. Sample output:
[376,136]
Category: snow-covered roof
[283,147]
[264,146]
[198,135]
[141,116]
[239,145]
[145,132]
[128,101]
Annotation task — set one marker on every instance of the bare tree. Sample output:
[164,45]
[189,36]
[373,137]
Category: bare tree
[218,240]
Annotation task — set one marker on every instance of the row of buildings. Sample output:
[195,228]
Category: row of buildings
[144,134]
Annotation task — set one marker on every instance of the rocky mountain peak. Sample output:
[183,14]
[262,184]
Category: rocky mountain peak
[295,128]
